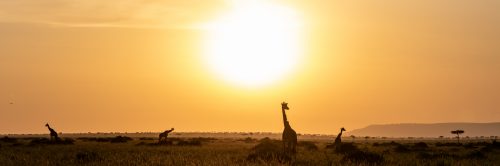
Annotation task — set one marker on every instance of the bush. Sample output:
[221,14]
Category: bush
[359,157]
[203,139]
[189,143]
[469,145]
[8,140]
[46,141]
[401,149]
[435,155]
[392,143]
[39,141]
[86,156]
[146,138]
[495,144]
[117,139]
[248,140]
[475,155]
[308,145]
[420,145]
[120,139]
[347,148]
[448,144]
[66,141]
[192,142]
[88,139]
[266,150]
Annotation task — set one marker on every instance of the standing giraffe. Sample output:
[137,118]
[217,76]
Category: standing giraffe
[289,135]
[165,134]
[53,133]
[338,140]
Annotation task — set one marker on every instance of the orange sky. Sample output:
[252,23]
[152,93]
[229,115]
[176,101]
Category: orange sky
[137,66]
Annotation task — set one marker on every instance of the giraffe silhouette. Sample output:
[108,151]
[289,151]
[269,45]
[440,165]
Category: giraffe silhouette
[338,140]
[289,135]
[53,133]
[165,135]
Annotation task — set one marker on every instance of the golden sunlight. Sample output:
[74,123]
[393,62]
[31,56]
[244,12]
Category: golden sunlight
[254,44]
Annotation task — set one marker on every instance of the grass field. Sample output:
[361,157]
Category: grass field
[251,150]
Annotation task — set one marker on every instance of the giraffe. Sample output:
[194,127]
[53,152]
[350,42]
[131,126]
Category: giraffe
[289,135]
[338,140]
[165,135]
[53,133]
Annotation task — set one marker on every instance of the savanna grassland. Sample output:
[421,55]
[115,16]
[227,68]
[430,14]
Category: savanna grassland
[247,150]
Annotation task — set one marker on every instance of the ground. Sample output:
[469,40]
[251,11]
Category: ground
[242,149]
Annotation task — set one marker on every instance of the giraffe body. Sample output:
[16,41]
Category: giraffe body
[338,140]
[53,133]
[289,136]
[164,135]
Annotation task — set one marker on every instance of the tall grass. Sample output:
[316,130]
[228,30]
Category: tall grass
[210,151]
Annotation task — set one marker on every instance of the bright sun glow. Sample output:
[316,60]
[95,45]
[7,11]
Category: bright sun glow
[254,44]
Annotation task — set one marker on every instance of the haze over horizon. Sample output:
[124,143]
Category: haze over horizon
[145,65]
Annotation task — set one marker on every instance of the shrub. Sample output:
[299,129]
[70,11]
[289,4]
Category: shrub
[141,143]
[86,156]
[392,143]
[266,150]
[39,141]
[448,144]
[435,155]
[401,149]
[66,141]
[93,139]
[359,157]
[248,140]
[347,148]
[192,142]
[469,145]
[146,138]
[46,141]
[420,145]
[8,139]
[475,155]
[495,144]
[167,142]
[203,139]
[308,145]
[120,139]
[330,146]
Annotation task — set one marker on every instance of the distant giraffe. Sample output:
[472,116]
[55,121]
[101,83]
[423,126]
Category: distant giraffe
[289,135]
[338,140]
[53,133]
[165,134]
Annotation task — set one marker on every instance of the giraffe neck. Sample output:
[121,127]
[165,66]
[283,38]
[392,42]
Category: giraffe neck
[285,121]
[340,134]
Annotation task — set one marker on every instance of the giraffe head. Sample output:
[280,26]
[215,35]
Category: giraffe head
[47,124]
[342,129]
[284,106]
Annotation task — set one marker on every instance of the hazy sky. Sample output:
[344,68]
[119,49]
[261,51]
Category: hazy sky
[132,65]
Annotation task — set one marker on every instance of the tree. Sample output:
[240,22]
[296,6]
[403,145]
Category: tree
[458,132]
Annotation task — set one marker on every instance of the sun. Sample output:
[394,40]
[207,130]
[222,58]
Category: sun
[254,44]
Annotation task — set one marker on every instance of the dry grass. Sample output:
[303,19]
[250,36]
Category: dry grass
[250,151]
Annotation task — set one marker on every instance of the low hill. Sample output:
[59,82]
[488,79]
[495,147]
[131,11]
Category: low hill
[428,130]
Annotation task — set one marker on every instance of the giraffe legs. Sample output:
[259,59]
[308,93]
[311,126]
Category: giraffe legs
[160,139]
[285,148]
